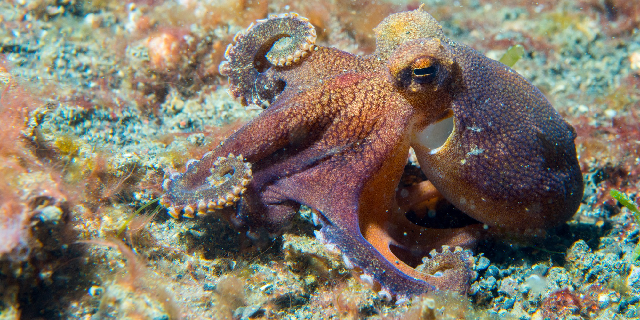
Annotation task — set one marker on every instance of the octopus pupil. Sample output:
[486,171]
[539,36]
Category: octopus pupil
[425,72]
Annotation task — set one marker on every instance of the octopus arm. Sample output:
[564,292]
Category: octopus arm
[288,125]
[356,199]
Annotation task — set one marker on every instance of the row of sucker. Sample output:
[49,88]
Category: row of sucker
[447,270]
[281,40]
[300,39]
[450,265]
[228,179]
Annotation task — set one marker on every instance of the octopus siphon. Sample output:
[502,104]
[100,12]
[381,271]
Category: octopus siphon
[336,132]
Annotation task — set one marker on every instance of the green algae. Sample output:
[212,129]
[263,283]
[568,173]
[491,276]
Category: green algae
[513,54]
[625,201]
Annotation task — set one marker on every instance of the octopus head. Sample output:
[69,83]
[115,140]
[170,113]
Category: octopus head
[401,27]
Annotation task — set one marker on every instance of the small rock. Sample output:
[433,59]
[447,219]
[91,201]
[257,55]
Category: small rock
[508,287]
[208,287]
[250,311]
[633,280]
[50,214]
[509,303]
[492,271]
[632,312]
[610,113]
[482,263]
[540,269]
[488,283]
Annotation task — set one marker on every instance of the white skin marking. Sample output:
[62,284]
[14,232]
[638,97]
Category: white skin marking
[475,151]
[474,129]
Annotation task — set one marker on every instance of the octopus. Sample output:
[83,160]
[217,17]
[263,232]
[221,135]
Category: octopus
[335,134]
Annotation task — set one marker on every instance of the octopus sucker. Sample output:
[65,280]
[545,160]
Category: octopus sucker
[188,212]
[173,212]
[191,163]
[166,184]
[336,135]
[202,207]
[240,34]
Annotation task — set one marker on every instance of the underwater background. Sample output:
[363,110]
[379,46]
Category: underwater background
[100,99]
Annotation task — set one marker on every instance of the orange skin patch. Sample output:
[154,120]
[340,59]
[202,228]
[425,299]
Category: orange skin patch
[337,129]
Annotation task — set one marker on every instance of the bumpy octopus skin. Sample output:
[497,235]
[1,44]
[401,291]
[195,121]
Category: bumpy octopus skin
[337,130]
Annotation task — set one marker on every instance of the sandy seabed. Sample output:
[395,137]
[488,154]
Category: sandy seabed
[100,98]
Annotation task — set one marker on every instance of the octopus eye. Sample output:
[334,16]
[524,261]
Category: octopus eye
[421,66]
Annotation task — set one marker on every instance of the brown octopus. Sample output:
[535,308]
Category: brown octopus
[336,132]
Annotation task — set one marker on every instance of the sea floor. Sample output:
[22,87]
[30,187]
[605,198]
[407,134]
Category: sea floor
[100,98]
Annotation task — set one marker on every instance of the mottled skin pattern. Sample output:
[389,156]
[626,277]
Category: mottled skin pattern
[336,134]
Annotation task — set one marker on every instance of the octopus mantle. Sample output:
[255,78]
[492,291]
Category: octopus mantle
[336,132]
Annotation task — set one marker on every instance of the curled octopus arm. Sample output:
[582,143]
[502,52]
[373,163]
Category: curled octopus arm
[275,129]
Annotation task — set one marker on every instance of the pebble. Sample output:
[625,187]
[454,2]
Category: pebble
[492,271]
[489,283]
[50,214]
[482,263]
